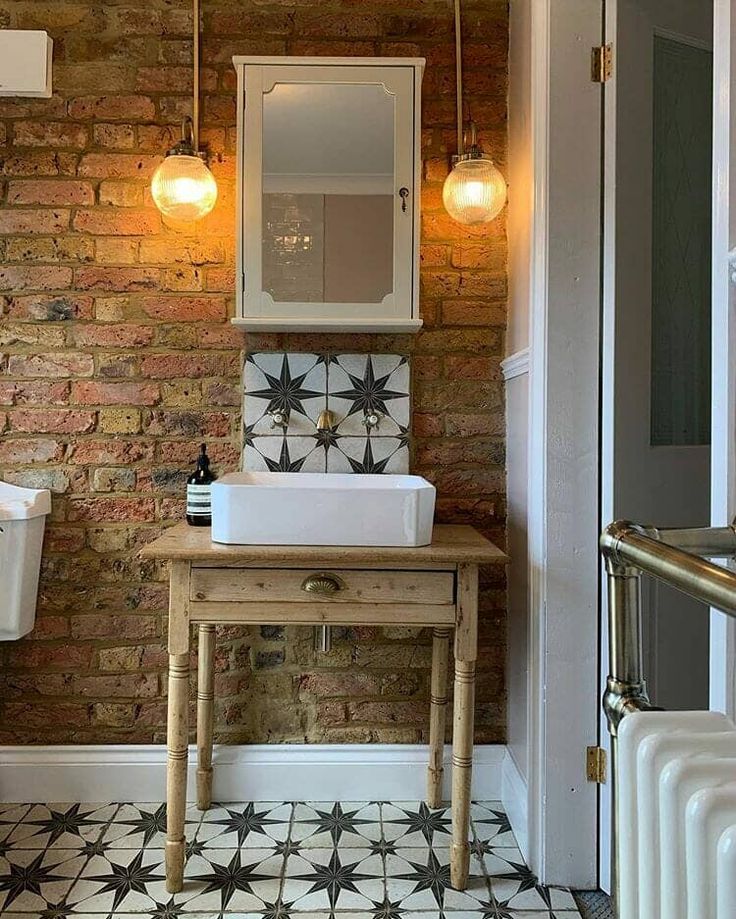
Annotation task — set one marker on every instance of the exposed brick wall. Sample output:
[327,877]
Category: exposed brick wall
[117,359]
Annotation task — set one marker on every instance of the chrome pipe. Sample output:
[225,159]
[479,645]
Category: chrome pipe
[710,542]
[627,544]
[323,638]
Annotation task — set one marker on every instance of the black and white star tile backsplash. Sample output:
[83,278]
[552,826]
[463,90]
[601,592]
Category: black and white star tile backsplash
[351,386]
[255,860]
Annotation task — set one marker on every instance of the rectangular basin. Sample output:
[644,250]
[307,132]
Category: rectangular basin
[322,509]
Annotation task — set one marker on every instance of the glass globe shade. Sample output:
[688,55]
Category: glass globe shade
[474,191]
[183,188]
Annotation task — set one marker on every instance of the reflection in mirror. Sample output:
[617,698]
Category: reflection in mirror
[328,192]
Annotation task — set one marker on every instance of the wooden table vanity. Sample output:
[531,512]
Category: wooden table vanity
[434,586]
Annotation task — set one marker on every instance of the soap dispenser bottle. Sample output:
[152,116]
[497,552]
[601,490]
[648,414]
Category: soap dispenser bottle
[199,492]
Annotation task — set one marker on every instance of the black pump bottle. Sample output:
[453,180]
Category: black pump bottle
[199,497]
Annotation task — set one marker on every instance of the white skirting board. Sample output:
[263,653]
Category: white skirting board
[514,791]
[278,772]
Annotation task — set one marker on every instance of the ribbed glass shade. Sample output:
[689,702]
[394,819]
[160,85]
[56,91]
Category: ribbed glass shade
[183,188]
[474,191]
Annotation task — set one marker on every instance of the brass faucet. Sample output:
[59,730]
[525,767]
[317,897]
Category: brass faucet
[326,421]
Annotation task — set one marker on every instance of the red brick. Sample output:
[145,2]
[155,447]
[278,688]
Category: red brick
[465,367]
[184,309]
[109,452]
[170,366]
[118,165]
[39,164]
[116,279]
[40,308]
[190,424]
[95,393]
[114,136]
[66,540]
[49,134]
[50,193]
[104,221]
[107,336]
[125,193]
[18,221]
[13,278]
[41,655]
[30,451]
[60,421]
[55,365]
[120,510]
[112,108]
[34,393]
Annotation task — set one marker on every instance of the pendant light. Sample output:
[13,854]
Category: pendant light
[474,191]
[182,187]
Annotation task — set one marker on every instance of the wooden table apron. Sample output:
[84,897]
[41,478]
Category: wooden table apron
[435,586]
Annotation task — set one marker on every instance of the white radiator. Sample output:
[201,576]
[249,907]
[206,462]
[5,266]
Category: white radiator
[676,794]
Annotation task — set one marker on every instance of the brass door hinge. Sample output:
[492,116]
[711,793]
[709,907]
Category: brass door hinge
[601,63]
[596,765]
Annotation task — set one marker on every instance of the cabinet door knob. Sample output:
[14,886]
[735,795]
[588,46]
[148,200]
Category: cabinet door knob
[403,194]
[324,584]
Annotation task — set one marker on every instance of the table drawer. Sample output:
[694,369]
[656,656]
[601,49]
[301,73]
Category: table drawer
[273,585]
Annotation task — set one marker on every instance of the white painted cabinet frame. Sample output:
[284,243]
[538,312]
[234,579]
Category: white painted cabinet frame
[256,308]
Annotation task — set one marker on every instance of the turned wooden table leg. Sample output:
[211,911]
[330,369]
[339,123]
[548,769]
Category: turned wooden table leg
[205,714]
[177,725]
[437,716]
[466,640]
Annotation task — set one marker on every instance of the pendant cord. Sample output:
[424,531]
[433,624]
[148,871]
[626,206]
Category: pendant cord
[458,78]
[195,80]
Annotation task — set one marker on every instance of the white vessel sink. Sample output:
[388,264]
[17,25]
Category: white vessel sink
[322,509]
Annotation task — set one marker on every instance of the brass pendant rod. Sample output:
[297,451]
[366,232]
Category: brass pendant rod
[459,78]
[195,80]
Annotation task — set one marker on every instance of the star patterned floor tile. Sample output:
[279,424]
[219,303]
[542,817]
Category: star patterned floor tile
[61,826]
[491,827]
[31,879]
[343,825]
[386,860]
[249,826]
[413,824]
[420,879]
[236,880]
[329,879]
[515,886]
[119,880]
[141,826]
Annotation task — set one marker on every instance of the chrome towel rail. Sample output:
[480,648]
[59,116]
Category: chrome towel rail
[678,557]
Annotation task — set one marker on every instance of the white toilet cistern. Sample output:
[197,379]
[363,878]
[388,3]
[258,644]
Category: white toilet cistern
[23,513]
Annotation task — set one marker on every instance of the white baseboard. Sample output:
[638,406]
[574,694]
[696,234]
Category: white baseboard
[514,791]
[279,772]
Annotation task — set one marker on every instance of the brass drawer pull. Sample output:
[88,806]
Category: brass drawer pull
[322,583]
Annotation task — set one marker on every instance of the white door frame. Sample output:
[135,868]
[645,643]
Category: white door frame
[723,445]
[723,399]
[563,441]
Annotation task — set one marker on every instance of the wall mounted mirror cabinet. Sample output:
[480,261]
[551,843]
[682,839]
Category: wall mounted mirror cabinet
[328,193]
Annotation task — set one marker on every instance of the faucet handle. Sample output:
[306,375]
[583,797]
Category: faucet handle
[372,419]
[279,418]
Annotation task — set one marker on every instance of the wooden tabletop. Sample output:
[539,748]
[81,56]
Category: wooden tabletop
[451,544]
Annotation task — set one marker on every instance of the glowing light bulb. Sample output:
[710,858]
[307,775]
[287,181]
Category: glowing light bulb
[474,191]
[183,188]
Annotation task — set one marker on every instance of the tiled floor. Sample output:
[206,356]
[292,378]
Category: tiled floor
[264,861]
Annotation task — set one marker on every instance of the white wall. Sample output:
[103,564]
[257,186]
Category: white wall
[517,380]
